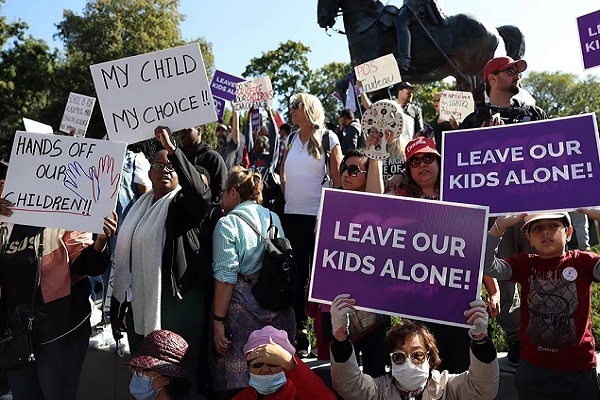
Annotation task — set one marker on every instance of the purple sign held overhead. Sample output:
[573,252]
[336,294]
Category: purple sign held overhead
[415,258]
[223,85]
[589,36]
[533,166]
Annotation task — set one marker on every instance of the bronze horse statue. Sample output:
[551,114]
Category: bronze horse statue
[460,48]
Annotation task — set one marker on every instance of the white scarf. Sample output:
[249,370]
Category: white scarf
[138,259]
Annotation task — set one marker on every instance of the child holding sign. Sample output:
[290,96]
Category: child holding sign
[557,346]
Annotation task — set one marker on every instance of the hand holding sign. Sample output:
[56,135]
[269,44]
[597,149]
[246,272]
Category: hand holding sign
[342,306]
[385,117]
[479,318]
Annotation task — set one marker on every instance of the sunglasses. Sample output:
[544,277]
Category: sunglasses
[414,162]
[509,71]
[158,166]
[296,105]
[353,169]
[417,357]
[261,364]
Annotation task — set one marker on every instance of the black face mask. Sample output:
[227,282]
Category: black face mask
[221,140]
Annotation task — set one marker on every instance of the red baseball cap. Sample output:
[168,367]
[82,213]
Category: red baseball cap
[499,63]
[420,145]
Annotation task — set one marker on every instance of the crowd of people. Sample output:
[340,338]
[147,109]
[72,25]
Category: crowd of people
[185,247]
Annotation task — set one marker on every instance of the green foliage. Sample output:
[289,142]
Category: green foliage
[322,85]
[287,67]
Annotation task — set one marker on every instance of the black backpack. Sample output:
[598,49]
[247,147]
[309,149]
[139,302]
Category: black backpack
[277,280]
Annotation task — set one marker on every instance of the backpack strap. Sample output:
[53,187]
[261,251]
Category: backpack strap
[327,154]
[251,226]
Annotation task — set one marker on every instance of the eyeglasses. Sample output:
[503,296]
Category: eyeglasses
[414,162]
[417,357]
[296,105]
[353,169]
[261,364]
[158,166]
[139,372]
[509,71]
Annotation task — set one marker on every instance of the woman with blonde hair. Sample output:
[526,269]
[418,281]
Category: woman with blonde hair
[308,166]
[237,260]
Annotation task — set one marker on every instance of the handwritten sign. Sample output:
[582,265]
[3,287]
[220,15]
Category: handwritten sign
[223,85]
[589,37]
[77,114]
[62,181]
[532,166]
[36,127]
[398,255]
[378,73]
[167,87]
[456,104]
[255,93]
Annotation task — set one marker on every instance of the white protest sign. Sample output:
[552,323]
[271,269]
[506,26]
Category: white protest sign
[37,127]
[378,73]
[78,112]
[62,181]
[167,87]
[255,93]
[456,104]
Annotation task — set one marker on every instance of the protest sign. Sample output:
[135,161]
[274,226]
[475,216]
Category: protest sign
[167,87]
[255,93]
[62,181]
[219,108]
[456,104]
[77,114]
[416,258]
[223,85]
[36,127]
[589,37]
[532,166]
[379,73]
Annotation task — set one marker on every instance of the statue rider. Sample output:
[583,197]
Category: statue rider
[424,10]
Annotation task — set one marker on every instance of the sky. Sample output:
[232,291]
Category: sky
[241,30]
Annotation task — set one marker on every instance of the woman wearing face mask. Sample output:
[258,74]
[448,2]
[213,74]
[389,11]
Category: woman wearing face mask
[158,371]
[275,373]
[414,357]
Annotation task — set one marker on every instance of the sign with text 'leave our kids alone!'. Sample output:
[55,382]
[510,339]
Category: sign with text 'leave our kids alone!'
[533,166]
[396,255]
[167,87]
[63,182]
[589,37]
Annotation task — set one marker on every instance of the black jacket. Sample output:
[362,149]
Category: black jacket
[205,157]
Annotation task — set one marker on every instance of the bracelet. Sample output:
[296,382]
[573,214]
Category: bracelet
[217,318]
[497,228]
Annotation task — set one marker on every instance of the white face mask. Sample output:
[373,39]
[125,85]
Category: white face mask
[410,376]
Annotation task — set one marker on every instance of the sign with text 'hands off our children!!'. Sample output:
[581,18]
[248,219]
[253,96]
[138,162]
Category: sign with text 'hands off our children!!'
[254,94]
[396,255]
[63,182]
[166,87]
[589,37]
[456,104]
[379,73]
[78,112]
[533,166]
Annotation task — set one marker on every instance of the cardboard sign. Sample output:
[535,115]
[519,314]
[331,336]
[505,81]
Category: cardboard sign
[167,87]
[255,93]
[396,255]
[223,85]
[589,37]
[531,166]
[379,73]
[37,127]
[62,181]
[456,104]
[77,114]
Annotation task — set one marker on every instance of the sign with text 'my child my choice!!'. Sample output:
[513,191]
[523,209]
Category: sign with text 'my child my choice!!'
[589,37]
[531,166]
[62,181]
[395,255]
[77,114]
[167,87]
[379,73]
[254,94]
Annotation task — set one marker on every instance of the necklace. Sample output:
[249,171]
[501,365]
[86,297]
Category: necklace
[302,143]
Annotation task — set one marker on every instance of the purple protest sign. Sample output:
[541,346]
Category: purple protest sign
[589,37]
[397,255]
[219,108]
[534,166]
[223,85]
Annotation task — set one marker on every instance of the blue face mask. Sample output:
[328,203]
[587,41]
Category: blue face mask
[267,384]
[141,388]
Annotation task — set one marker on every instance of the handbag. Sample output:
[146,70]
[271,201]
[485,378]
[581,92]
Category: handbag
[16,348]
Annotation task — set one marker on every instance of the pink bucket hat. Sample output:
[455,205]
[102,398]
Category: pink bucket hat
[262,336]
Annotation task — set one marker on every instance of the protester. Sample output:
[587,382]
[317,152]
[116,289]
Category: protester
[304,172]
[284,131]
[259,155]
[557,345]
[414,358]
[229,142]
[275,373]
[351,131]
[61,318]
[162,268]
[439,125]
[237,259]
[158,370]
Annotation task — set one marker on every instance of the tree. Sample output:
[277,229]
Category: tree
[322,85]
[287,67]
